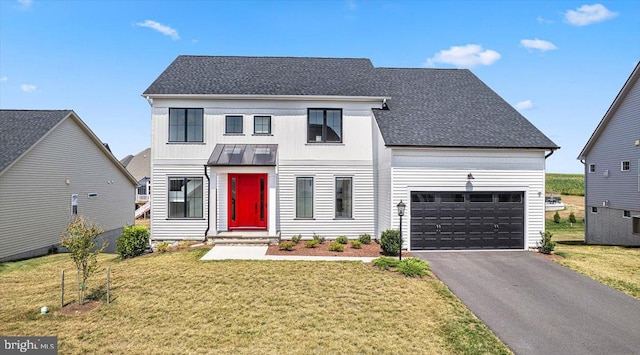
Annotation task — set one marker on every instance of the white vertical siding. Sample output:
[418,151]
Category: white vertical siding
[382,175]
[324,222]
[35,201]
[161,226]
[410,178]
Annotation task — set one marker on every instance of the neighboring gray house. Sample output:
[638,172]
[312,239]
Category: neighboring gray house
[295,145]
[612,171]
[53,168]
[139,166]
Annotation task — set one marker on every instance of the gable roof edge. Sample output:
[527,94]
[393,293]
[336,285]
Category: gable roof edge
[104,149]
[622,94]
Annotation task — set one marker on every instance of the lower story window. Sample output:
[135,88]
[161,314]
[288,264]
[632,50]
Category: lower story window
[304,197]
[344,197]
[594,209]
[185,197]
[636,225]
[626,214]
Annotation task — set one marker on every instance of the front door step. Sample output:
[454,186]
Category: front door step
[244,238]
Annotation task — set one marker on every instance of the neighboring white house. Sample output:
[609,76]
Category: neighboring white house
[53,168]
[332,145]
[612,171]
[139,166]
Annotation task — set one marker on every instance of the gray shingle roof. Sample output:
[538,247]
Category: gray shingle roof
[20,129]
[450,108]
[265,76]
[428,107]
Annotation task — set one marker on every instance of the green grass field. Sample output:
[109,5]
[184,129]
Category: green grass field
[565,184]
[173,303]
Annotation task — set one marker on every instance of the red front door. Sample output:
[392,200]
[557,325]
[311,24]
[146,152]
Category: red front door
[247,201]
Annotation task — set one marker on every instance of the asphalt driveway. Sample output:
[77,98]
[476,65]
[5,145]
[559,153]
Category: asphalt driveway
[536,306]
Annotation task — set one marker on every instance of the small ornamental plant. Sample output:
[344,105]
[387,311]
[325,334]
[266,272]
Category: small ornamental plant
[296,238]
[288,246]
[162,247]
[342,239]
[546,246]
[572,217]
[365,238]
[356,244]
[335,246]
[385,262]
[556,217]
[319,238]
[311,243]
[390,242]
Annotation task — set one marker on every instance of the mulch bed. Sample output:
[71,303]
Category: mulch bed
[368,250]
[550,256]
[74,309]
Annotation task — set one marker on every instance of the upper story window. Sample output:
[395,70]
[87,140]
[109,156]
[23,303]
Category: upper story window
[592,168]
[262,124]
[324,126]
[625,165]
[233,124]
[185,124]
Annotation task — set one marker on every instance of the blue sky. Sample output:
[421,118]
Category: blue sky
[560,62]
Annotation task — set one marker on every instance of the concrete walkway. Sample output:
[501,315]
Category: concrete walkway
[237,252]
[536,306]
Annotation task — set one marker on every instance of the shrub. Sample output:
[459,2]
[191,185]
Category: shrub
[296,238]
[390,242]
[556,217]
[572,217]
[413,267]
[335,246]
[162,247]
[546,246]
[356,244]
[311,243]
[288,246]
[319,238]
[385,263]
[132,242]
[365,238]
[342,239]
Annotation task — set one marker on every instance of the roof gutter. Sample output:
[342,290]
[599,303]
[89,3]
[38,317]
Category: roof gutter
[548,155]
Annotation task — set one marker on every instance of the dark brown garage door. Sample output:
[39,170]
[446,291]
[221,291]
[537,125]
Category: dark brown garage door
[467,220]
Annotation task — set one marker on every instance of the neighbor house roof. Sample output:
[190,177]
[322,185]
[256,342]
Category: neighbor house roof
[20,130]
[139,165]
[426,107]
[626,88]
[450,108]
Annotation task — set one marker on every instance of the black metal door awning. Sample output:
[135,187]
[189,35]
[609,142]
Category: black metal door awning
[243,155]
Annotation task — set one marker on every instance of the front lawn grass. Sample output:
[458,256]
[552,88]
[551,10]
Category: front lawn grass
[174,303]
[617,267]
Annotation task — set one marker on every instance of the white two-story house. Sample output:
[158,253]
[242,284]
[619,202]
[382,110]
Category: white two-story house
[331,145]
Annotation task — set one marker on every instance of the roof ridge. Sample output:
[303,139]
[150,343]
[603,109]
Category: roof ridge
[268,57]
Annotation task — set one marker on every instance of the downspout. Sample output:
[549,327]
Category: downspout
[208,202]
[548,155]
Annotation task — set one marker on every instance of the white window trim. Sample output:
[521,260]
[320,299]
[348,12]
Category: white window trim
[335,178]
[623,216]
[594,168]
[622,165]
[313,198]
[169,177]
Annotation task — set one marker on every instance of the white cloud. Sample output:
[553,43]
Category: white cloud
[540,44]
[465,56]
[524,105]
[165,30]
[351,4]
[25,3]
[28,87]
[588,14]
[541,19]
[3,79]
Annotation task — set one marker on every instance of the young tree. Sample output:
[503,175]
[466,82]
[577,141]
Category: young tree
[80,240]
